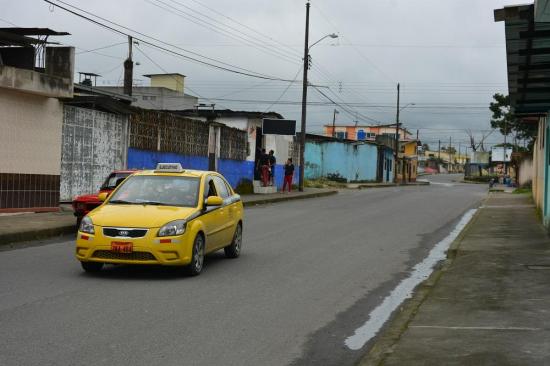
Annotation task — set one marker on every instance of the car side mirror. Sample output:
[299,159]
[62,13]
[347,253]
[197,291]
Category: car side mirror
[214,201]
[103,196]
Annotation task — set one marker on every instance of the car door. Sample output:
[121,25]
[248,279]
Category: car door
[228,224]
[213,217]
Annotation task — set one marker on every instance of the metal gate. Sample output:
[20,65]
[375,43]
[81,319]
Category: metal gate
[93,144]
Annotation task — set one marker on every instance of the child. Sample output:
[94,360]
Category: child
[289,172]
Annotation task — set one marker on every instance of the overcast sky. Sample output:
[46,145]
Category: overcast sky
[448,55]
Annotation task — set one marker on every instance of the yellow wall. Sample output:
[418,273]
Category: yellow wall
[410,148]
[171,81]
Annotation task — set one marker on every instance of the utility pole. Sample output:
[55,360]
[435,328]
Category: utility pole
[334,123]
[459,157]
[397,133]
[505,147]
[450,154]
[128,69]
[438,154]
[304,102]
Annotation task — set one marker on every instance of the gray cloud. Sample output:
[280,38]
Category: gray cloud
[442,51]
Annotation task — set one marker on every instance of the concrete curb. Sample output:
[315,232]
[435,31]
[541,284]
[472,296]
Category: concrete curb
[369,186]
[412,184]
[398,324]
[6,240]
[288,198]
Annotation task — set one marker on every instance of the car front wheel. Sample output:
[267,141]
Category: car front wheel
[197,260]
[233,250]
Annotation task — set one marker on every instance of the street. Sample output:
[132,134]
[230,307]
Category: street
[310,273]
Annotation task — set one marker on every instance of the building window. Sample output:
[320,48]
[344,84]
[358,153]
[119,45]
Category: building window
[145,97]
[341,135]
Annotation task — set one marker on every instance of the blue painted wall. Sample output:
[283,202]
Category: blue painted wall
[351,161]
[235,170]
[145,159]
[232,170]
[388,169]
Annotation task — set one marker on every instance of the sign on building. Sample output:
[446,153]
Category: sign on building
[479,157]
[279,127]
[501,154]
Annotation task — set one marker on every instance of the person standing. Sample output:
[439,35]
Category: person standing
[272,164]
[264,168]
[289,173]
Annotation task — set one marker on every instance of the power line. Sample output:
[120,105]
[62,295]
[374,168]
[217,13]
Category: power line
[166,72]
[230,68]
[206,23]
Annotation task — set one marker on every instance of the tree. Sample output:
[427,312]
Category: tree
[508,124]
[448,149]
[425,147]
[478,145]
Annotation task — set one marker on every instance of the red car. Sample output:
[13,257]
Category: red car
[86,203]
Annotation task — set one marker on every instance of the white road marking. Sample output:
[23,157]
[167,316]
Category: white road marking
[474,328]
[404,290]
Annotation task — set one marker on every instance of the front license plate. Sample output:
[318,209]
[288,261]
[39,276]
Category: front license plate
[121,247]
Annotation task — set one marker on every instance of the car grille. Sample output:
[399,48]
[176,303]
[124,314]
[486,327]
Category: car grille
[115,232]
[134,256]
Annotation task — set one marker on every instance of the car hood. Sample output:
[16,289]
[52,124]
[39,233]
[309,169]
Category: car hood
[146,216]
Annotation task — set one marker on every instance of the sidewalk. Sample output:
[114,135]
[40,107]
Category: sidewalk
[35,226]
[489,303]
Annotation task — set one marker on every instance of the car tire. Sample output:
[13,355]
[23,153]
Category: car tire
[197,257]
[91,267]
[233,250]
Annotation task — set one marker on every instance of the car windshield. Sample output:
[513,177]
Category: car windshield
[158,190]
[112,179]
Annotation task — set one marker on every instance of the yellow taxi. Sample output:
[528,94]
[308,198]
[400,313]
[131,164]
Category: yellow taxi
[167,216]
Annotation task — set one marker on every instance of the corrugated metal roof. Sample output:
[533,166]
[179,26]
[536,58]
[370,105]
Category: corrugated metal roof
[528,59]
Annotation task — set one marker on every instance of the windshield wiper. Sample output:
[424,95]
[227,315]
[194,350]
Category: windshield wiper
[152,203]
[122,201]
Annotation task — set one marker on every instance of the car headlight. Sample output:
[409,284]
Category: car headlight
[173,228]
[86,225]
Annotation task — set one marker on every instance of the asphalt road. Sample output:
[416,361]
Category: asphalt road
[309,274]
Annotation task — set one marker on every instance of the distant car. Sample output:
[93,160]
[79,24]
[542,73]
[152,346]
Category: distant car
[167,216]
[86,203]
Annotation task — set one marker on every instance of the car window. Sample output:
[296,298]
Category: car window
[158,190]
[210,188]
[221,187]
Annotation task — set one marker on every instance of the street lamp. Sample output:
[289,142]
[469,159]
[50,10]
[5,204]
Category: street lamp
[332,35]
[307,47]
[408,105]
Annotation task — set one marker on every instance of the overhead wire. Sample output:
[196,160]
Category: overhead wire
[228,67]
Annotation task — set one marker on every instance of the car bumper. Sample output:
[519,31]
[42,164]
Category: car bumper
[150,249]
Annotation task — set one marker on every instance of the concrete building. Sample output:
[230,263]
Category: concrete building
[166,92]
[33,76]
[365,132]
[94,139]
[251,122]
[346,160]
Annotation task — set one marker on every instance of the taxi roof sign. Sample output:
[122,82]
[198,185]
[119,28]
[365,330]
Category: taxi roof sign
[169,168]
